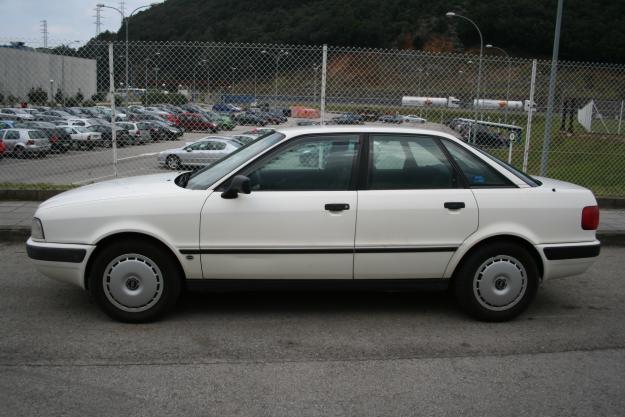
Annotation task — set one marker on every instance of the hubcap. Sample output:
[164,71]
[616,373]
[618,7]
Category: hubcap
[132,282]
[500,282]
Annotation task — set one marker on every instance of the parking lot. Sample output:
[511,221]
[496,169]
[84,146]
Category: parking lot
[312,353]
[86,166]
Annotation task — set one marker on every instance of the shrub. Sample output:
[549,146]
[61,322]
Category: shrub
[37,96]
[99,96]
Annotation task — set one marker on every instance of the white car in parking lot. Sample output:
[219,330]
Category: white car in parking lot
[353,207]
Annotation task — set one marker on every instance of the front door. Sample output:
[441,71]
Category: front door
[298,222]
[413,211]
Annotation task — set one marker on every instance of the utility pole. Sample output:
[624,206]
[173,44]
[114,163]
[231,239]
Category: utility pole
[44,32]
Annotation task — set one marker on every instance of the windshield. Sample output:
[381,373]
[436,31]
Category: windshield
[80,129]
[206,177]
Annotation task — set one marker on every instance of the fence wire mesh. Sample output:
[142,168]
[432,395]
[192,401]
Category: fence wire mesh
[187,104]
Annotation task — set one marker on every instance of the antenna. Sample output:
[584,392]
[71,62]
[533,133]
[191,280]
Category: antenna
[98,20]
[44,32]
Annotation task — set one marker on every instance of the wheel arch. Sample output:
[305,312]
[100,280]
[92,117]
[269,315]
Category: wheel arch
[115,237]
[526,244]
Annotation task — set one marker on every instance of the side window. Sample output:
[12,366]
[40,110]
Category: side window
[215,146]
[35,134]
[12,134]
[400,162]
[198,146]
[322,163]
[477,172]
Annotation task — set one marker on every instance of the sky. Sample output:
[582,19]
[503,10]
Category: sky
[68,20]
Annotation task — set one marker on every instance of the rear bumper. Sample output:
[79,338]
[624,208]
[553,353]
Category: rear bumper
[60,261]
[561,260]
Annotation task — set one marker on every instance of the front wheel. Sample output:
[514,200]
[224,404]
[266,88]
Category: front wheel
[497,282]
[173,162]
[135,281]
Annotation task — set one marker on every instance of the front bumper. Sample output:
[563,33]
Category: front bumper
[563,260]
[60,261]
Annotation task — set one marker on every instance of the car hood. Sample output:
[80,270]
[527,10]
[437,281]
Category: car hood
[115,189]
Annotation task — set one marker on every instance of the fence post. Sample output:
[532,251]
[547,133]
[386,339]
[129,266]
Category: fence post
[113,114]
[322,97]
[528,129]
[620,117]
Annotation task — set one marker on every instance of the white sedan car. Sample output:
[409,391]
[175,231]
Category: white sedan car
[347,206]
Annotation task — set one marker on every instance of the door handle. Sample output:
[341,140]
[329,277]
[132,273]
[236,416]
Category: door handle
[337,207]
[454,205]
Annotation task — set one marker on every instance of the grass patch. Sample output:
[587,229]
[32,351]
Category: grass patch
[35,186]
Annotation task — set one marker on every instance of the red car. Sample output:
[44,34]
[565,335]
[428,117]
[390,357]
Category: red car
[2,148]
[173,119]
[194,121]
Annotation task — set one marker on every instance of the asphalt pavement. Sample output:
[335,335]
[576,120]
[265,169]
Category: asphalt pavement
[312,354]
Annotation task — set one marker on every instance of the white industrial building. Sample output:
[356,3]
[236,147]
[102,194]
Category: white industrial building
[23,69]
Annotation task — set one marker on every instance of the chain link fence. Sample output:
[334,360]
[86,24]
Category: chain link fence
[170,95]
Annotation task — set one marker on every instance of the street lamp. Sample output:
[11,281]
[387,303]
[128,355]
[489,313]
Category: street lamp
[479,71]
[125,20]
[489,46]
[51,90]
[277,56]
[65,45]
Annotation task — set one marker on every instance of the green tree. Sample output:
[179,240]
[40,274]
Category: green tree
[37,96]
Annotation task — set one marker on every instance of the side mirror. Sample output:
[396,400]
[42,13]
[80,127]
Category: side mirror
[239,184]
[188,149]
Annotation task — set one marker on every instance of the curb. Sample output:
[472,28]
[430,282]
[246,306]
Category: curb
[28,195]
[21,234]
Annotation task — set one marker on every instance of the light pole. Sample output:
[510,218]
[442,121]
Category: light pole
[125,20]
[489,46]
[51,90]
[277,56]
[479,70]
[203,61]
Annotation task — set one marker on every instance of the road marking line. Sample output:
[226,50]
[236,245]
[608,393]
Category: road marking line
[137,156]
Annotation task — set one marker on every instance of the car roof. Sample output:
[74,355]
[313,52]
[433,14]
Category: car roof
[304,130]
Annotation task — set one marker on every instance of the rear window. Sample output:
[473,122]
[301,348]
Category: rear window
[36,134]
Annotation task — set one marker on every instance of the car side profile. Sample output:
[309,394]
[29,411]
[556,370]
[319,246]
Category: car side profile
[348,207]
[203,152]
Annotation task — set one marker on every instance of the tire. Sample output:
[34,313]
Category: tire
[497,282]
[19,153]
[173,162]
[135,281]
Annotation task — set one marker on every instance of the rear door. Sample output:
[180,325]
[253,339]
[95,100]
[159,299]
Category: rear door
[413,209]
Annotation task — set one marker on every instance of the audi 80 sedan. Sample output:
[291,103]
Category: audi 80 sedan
[350,207]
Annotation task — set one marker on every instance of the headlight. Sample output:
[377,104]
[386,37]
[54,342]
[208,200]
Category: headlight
[36,230]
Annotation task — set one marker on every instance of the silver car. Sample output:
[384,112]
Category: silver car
[25,142]
[201,153]
[139,131]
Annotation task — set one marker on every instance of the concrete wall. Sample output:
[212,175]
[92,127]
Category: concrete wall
[20,70]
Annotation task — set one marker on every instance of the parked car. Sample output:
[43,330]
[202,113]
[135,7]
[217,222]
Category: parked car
[226,108]
[83,138]
[308,123]
[16,114]
[60,140]
[201,153]
[369,115]
[194,121]
[483,136]
[47,118]
[2,147]
[122,136]
[347,119]
[170,132]
[57,113]
[129,133]
[395,119]
[245,139]
[249,119]
[25,143]
[448,214]
[411,118]
[5,124]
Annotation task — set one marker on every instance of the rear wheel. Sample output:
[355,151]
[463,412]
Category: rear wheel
[497,282]
[19,152]
[173,162]
[135,281]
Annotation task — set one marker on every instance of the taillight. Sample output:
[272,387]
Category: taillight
[30,142]
[590,218]
[138,134]
[53,139]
